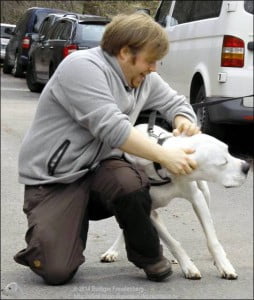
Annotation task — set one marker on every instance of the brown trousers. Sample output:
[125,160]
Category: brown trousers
[58,218]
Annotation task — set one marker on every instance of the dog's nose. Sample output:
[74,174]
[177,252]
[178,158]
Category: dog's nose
[245,167]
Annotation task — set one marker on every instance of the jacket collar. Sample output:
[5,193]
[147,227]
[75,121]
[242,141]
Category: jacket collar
[112,60]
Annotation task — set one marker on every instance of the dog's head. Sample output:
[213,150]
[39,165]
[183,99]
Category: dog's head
[215,163]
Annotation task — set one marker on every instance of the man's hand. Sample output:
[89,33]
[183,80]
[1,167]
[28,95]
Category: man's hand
[185,126]
[178,161]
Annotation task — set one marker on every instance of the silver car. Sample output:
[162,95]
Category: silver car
[5,37]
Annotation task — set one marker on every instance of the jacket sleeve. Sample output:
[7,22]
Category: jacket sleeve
[85,93]
[166,100]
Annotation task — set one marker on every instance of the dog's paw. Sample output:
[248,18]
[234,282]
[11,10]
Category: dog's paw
[226,270]
[228,273]
[230,276]
[191,272]
[109,256]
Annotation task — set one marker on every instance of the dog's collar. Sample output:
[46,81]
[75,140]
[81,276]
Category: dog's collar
[161,138]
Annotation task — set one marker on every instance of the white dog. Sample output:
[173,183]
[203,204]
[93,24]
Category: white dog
[215,164]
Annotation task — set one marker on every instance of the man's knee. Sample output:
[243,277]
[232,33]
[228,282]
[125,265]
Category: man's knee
[132,207]
[58,275]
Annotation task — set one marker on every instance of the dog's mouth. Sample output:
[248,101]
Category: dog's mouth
[230,186]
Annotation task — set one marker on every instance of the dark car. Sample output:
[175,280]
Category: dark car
[68,34]
[16,56]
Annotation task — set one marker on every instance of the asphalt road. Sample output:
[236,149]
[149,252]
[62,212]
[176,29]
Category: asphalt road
[232,211]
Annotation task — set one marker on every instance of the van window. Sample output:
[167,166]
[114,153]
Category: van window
[162,12]
[182,11]
[248,6]
[188,11]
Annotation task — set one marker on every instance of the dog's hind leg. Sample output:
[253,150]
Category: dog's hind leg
[189,269]
[111,254]
[201,209]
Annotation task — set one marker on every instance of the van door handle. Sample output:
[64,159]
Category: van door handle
[251,45]
[51,47]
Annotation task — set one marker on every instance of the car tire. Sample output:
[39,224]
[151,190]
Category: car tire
[204,122]
[17,70]
[6,66]
[33,86]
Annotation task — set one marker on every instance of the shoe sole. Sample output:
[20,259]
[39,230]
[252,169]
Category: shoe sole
[159,277]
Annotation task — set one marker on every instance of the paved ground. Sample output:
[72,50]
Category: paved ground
[232,210]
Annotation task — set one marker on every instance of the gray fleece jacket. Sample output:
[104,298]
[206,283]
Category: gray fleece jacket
[85,111]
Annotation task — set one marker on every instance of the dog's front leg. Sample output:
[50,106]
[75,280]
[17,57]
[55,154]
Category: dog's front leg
[201,209]
[189,269]
[111,254]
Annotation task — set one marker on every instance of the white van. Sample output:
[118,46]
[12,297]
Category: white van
[210,57]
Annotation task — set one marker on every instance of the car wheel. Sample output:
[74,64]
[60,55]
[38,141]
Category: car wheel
[203,116]
[17,69]
[31,79]
[6,66]
[201,112]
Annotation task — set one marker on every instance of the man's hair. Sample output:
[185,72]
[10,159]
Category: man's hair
[137,31]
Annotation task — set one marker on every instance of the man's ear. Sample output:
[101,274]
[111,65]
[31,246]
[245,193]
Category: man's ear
[124,53]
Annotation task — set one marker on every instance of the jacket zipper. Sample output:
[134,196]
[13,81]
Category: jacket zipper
[57,156]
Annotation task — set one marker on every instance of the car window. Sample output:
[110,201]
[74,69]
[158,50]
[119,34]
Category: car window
[91,32]
[205,9]
[248,6]
[182,11]
[56,32]
[162,12]
[39,17]
[188,11]
[44,26]
[66,32]
[3,33]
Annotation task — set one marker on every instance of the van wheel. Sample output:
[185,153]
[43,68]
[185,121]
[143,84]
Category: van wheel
[6,66]
[17,69]
[31,81]
[201,112]
[203,116]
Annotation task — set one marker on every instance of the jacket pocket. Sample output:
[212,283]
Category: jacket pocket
[57,156]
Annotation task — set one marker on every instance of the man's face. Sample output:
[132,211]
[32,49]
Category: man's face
[136,66]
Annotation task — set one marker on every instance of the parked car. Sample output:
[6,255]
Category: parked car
[68,34]
[27,27]
[210,57]
[6,34]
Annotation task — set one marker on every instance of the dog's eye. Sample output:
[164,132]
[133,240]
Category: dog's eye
[221,161]
[224,162]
